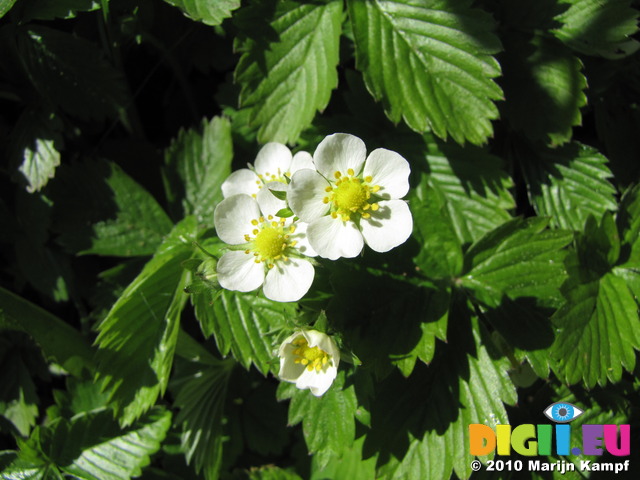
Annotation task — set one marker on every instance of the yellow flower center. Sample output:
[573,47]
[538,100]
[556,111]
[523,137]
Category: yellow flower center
[351,195]
[269,240]
[311,357]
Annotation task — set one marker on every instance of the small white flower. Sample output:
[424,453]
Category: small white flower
[273,162]
[351,199]
[271,250]
[309,359]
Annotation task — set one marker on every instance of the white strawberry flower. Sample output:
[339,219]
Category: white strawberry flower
[270,250]
[273,163]
[309,359]
[350,199]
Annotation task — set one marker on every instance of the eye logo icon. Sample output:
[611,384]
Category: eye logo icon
[562,412]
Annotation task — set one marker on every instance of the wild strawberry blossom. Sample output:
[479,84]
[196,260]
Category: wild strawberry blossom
[273,163]
[309,359]
[350,199]
[270,250]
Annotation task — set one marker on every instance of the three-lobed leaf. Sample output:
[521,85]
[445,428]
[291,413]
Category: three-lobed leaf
[430,63]
[287,77]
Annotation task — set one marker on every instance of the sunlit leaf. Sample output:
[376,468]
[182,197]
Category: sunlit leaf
[568,184]
[137,339]
[430,63]
[544,87]
[211,12]
[289,76]
[600,28]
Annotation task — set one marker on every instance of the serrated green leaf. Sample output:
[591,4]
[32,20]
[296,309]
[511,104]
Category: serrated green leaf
[210,12]
[244,325]
[440,255]
[569,183]
[599,331]
[52,9]
[100,210]
[424,421]
[115,455]
[628,221]
[70,72]
[270,472]
[328,421]
[430,63]
[544,87]
[199,388]
[518,259]
[136,340]
[58,340]
[350,465]
[201,159]
[599,28]
[475,188]
[286,80]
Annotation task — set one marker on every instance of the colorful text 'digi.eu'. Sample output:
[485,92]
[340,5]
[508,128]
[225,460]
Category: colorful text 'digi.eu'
[530,440]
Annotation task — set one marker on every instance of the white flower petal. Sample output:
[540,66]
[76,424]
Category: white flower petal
[317,382]
[300,161]
[332,238]
[306,194]
[289,280]
[338,153]
[273,159]
[241,181]
[289,370]
[287,341]
[324,342]
[232,218]
[268,202]
[239,271]
[389,227]
[300,236]
[390,171]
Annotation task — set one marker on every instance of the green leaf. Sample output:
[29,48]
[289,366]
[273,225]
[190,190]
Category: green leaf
[35,143]
[210,12]
[136,340]
[569,183]
[628,221]
[199,387]
[270,472]
[5,6]
[284,213]
[286,79]
[244,325]
[424,421]
[599,28]
[544,87]
[70,72]
[350,465]
[430,63]
[52,9]
[328,421]
[58,340]
[599,331]
[201,160]
[100,210]
[475,188]
[440,255]
[114,454]
[519,259]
